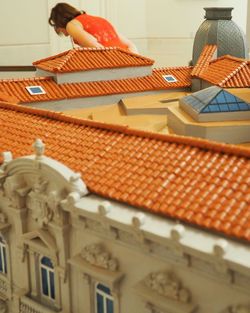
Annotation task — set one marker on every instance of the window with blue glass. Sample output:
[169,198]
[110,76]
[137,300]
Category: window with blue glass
[47,278]
[226,102]
[104,299]
[3,263]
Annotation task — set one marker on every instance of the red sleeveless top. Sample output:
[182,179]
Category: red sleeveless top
[101,29]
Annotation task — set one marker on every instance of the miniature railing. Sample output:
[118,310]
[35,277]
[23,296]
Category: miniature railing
[28,305]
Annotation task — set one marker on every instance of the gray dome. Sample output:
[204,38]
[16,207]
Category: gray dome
[218,29]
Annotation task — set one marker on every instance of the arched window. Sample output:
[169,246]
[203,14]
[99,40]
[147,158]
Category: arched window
[47,278]
[104,299]
[3,263]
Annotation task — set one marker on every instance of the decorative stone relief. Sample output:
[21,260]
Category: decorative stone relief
[176,234]
[152,309]
[37,202]
[168,285]
[127,237]
[77,189]
[39,148]
[3,287]
[219,250]
[104,208]
[239,308]
[97,255]
[53,202]
[3,307]
[15,191]
[7,157]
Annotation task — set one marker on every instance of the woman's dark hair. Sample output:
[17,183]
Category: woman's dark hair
[61,14]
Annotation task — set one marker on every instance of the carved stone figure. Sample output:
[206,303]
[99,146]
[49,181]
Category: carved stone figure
[167,284]
[37,202]
[53,204]
[97,255]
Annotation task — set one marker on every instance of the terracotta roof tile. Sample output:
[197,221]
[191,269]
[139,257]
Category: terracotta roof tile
[228,72]
[8,98]
[203,62]
[83,59]
[199,182]
[94,89]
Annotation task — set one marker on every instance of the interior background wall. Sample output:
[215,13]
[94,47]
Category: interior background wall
[162,29]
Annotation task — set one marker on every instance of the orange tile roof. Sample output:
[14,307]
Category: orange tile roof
[204,59]
[83,59]
[94,89]
[228,72]
[8,98]
[196,181]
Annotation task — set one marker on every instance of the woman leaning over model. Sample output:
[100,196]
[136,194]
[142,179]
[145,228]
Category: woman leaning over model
[87,30]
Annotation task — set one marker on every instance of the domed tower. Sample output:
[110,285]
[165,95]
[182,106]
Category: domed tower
[219,29]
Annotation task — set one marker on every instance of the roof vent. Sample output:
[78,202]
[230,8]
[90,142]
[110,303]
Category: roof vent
[218,13]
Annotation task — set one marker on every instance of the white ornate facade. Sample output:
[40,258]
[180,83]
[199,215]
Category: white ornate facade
[63,249]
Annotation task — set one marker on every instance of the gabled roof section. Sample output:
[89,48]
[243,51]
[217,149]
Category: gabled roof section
[208,54]
[55,92]
[228,72]
[196,181]
[84,59]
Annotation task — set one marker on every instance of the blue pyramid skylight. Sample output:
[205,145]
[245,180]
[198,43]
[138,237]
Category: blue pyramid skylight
[225,102]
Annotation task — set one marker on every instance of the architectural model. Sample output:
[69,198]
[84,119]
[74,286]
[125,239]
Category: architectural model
[106,218]
[103,218]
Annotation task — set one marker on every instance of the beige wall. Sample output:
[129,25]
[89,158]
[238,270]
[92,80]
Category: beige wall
[162,29]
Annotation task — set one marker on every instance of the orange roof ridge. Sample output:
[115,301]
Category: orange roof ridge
[134,54]
[51,57]
[158,69]
[190,141]
[114,48]
[81,59]
[204,59]
[240,67]
[25,79]
[231,57]
[67,57]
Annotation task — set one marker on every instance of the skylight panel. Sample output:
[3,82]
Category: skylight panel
[169,78]
[35,90]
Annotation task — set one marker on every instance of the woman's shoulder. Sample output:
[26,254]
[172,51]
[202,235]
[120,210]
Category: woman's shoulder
[73,23]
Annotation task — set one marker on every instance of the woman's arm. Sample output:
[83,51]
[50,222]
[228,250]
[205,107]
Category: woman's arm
[131,46]
[82,38]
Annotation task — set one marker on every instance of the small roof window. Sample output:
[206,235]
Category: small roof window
[169,78]
[35,90]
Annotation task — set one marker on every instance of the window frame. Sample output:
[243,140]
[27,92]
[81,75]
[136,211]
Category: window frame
[106,297]
[48,270]
[3,256]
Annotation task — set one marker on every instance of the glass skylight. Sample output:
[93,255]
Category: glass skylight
[35,90]
[169,78]
[226,102]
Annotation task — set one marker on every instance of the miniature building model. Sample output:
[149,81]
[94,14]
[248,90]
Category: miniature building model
[89,77]
[109,219]
[100,218]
